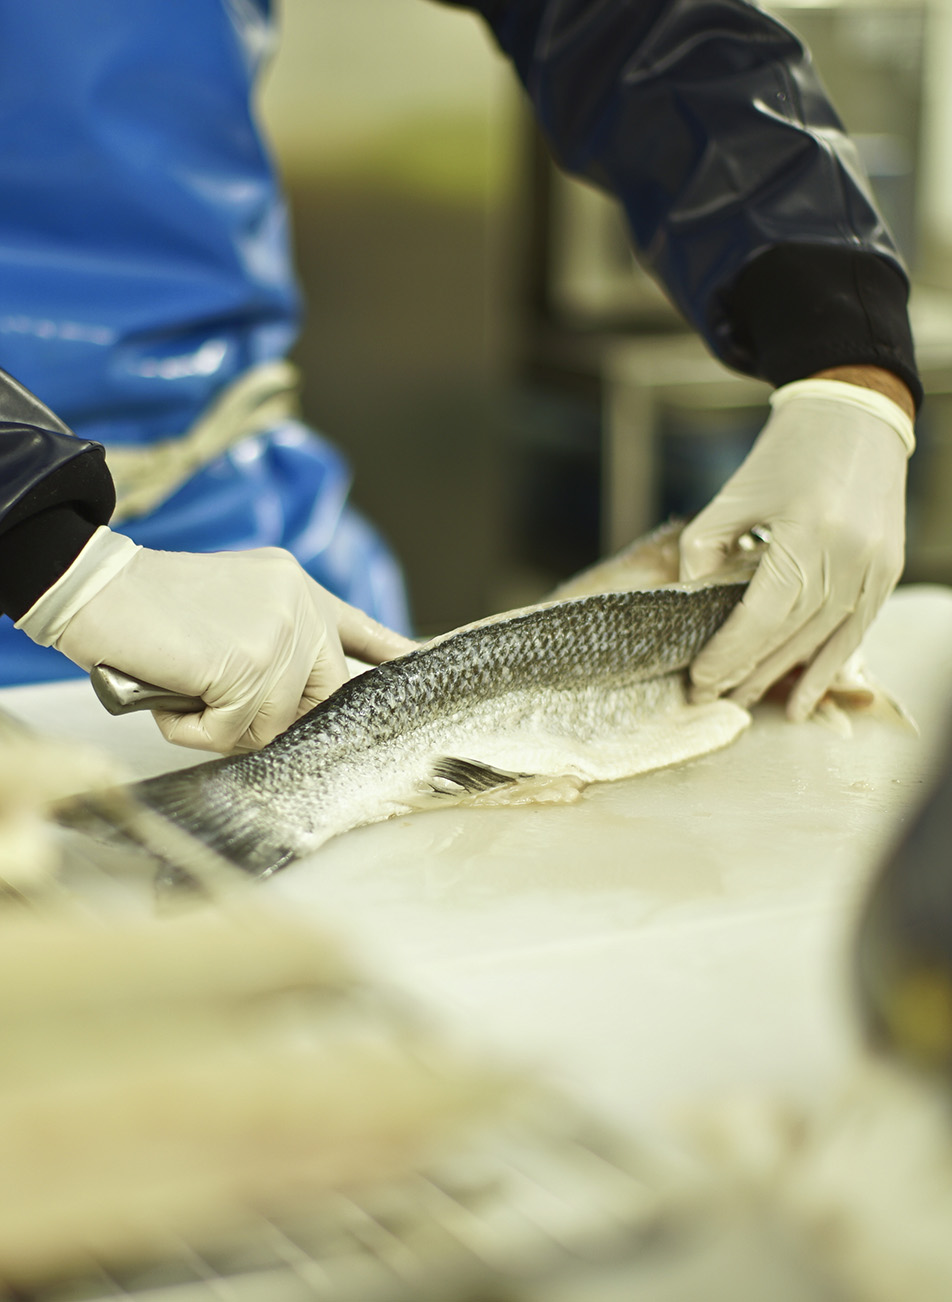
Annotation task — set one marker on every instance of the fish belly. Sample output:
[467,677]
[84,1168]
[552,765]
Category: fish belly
[504,746]
[513,747]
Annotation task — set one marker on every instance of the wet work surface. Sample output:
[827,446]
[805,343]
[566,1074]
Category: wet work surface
[663,941]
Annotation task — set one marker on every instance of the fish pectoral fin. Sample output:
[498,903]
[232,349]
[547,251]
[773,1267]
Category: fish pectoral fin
[533,789]
[452,776]
[472,783]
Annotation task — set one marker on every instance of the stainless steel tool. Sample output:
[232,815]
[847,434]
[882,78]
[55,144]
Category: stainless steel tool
[122,694]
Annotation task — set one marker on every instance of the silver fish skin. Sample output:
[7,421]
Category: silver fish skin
[592,688]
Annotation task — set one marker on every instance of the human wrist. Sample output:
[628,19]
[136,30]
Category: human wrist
[876,378]
[858,397]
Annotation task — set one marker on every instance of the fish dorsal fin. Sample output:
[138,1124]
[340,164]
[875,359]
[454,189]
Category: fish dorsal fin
[450,775]
[653,561]
[721,579]
[502,617]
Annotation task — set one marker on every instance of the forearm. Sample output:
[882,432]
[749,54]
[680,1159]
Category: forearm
[55,490]
[708,122]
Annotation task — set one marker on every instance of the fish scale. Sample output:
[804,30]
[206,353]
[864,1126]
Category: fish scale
[590,687]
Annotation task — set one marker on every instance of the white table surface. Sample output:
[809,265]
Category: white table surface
[664,941]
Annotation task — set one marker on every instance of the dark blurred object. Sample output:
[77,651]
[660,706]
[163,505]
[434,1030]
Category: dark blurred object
[400,357]
[554,490]
[701,447]
[903,955]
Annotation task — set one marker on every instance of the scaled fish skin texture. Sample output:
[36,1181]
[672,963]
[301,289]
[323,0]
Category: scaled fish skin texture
[591,688]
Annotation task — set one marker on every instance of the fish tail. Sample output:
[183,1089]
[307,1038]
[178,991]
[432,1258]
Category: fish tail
[216,814]
[196,824]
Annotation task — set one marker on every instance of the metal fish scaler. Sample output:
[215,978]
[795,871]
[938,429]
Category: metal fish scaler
[532,704]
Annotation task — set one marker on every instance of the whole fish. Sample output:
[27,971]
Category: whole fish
[584,689]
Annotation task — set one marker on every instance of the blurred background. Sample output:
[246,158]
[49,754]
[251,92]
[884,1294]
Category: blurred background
[514,394]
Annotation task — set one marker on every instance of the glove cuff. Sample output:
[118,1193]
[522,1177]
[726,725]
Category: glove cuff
[854,395]
[101,559]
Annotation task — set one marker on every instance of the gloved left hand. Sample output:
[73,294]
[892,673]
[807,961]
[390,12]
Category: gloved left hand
[826,478]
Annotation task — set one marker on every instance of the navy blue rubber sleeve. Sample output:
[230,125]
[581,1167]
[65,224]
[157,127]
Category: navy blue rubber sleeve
[707,120]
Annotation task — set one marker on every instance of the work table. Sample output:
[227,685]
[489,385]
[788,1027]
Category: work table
[664,940]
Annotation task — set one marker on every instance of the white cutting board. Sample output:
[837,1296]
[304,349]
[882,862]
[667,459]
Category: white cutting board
[666,939]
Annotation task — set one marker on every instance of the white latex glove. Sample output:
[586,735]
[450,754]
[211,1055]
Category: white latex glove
[827,478]
[249,632]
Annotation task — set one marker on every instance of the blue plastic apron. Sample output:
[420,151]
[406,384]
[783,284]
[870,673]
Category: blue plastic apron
[145,264]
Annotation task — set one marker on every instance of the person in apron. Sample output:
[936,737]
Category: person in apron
[147,298]
[147,295]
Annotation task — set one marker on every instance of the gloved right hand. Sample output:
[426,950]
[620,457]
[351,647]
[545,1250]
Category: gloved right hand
[249,632]
[827,478]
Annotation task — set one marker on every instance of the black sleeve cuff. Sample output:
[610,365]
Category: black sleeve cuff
[45,530]
[37,552]
[804,308]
